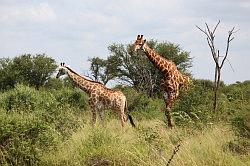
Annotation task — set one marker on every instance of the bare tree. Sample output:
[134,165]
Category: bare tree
[218,59]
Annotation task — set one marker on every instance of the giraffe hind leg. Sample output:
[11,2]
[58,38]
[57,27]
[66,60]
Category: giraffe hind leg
[168,114]
[122,119]
[169,99]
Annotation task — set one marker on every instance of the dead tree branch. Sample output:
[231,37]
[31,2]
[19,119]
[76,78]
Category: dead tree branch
[176,149]
[210,36]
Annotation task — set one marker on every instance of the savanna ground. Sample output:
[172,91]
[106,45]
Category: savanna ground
[51,126]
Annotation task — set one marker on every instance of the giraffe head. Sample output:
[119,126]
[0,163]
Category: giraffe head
[62,70]
[139,43]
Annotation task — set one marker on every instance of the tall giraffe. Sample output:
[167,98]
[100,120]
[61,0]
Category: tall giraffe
[100,97]
[172,80]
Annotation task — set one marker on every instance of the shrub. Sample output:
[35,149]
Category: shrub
[22,98]
[71,97]
[23,138]
[54,83]
[33,121]
[241,125]
[142,105]
[241,128]
[194,105]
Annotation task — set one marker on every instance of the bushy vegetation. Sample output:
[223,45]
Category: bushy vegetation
[33,122]
[135,69]
[50,126]
[149,144]
[32,70]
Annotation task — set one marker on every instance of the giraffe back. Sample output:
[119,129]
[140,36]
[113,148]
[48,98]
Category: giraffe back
[108,98]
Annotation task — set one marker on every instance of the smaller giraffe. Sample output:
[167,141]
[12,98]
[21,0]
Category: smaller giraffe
[100,97]
[173,80]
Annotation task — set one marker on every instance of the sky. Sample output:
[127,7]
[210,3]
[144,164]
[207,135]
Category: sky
[76,30]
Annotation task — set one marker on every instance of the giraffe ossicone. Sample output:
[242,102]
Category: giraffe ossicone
[100,97]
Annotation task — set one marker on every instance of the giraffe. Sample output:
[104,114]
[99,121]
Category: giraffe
[172,80]
[100,97]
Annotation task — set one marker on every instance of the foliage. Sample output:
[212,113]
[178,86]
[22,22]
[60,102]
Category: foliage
[71,97]
[136,70]
[48,125]
[34,121]
[193,106]
[238,91]
[149,144]
[7,75]
[23,138]
[241,127]
[33,70]
[36,126]
[99,70]
[21,98]
[141,105]
[54,83]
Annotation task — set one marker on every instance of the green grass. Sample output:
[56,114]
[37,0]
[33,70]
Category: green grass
[51,127]
[151,143]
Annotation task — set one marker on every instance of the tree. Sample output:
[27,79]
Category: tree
[100,70]
[7,75]
[136,70]
[33,70]
[210,36]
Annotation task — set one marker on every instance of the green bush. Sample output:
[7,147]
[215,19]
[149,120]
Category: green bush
[241,125]
[194,105]
[24,137]
[33,121]
[21,98]
[142,106]
[238,91]
[71,97]
[54,83]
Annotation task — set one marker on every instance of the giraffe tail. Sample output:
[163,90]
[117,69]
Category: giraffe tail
[129,116]
[131,120]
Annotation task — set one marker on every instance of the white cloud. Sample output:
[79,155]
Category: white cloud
[245,4]
[72,31]
[41,12]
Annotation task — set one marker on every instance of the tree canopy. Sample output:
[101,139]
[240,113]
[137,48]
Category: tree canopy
[126,66]
[33,70]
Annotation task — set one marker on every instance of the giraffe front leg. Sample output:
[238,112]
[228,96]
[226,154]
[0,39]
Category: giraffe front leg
[93,117]
[169,99]
[92,104]
[101,116]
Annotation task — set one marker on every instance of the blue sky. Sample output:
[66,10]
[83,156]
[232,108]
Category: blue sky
[74,31]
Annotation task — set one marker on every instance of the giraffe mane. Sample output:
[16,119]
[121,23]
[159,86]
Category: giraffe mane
[91,80]
[82,76]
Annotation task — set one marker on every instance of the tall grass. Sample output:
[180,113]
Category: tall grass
[51,127]
[149,144]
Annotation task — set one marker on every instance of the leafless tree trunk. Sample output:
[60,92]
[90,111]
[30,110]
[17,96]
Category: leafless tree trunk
[216,57]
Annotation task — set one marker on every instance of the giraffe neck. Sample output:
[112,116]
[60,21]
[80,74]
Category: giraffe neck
[162,64]
[86,85]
